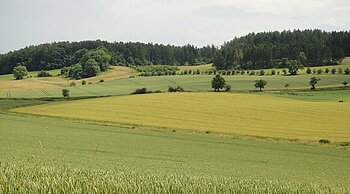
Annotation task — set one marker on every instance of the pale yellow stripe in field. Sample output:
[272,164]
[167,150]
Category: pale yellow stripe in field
[242,114]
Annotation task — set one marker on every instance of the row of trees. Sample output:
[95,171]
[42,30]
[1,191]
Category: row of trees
[279,49]
[62,54]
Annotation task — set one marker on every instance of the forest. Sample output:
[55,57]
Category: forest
[253,51]
[275,49]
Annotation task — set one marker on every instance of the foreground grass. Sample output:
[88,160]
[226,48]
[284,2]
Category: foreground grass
[236,114]
[42,155]
[41,179]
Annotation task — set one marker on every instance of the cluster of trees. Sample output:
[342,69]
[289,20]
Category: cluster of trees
[156,70]
[62,54]
[328,71]
[279,49]
[89,63]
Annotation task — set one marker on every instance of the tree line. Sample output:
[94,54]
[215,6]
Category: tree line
[57,55]
[279,49]
[253,51]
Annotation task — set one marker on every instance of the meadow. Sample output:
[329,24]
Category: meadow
[189,82]
[42,155]
[235,114]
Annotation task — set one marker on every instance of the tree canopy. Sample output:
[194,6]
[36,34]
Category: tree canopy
[218,83]
[20,72]
[273,49]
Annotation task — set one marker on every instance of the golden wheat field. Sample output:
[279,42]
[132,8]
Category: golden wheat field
[237,114]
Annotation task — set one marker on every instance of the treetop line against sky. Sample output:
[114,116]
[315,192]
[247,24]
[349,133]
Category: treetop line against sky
[178,22]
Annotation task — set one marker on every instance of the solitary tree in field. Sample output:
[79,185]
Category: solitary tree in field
[294,66]
[65,92]
[313,82]
[345,84]
[20,72]
[333,71]
[218,83]
[260,84]
[326,71]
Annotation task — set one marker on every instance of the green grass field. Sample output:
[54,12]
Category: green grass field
[237,114]
[45,154]
[195,83]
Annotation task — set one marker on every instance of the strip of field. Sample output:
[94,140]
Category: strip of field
[238,114]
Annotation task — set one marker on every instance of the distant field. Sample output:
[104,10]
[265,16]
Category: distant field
[8,83]
[196,67]
[189,82]
[236,114]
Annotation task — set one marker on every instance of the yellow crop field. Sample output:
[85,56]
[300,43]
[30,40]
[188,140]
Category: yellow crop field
[229,113]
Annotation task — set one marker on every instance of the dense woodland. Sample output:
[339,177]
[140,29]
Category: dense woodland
[254,51]
[62,54]
[275,49]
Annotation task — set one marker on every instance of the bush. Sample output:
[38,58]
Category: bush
[333,71]
[340,71]
[326,71]
[176,89]
[314,71]
[72,84]
[324,141]
[83,82]
[347,71]
[141,91]
[228,88]
[308,70]
[262,72]
[65,92]
[252,73]
[43,73]
[273,72]
[102,80]
[320,71]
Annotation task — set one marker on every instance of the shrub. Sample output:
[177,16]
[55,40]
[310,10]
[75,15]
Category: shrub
[333,71]
[340,71]
[65,92]
[273,72]
[141,91]
[102,80]
[314,71]
[252,73]
[347,71]
[308,70]
[320,71]
[242,72]
[284,71]
[72,84]
[345,84]
[176,89]
[90,82]
[83,82]
[324,141]
[262,72]
[326,71]
[228,88]
[43,73]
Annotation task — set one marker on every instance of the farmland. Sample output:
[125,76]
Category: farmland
[43,154]
[243,114]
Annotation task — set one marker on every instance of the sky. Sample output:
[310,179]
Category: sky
[176,22]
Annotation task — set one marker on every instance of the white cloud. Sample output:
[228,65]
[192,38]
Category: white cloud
[198,22]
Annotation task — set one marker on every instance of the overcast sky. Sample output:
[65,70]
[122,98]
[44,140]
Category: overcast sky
[198,22]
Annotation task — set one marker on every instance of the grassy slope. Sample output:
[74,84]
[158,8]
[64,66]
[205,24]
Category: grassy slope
[238,114]
[196,83]
[33,83]
[75,149]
